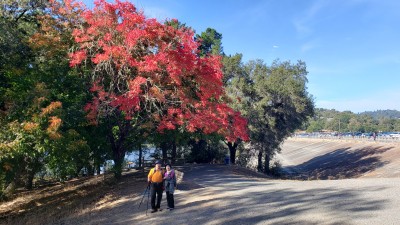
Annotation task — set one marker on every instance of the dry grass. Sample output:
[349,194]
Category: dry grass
[48,204]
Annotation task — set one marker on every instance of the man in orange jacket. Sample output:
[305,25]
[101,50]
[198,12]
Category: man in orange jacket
[155,179]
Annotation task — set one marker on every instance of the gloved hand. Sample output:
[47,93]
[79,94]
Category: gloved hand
[148,183]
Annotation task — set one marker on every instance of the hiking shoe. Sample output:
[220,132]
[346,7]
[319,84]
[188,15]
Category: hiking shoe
[153,210]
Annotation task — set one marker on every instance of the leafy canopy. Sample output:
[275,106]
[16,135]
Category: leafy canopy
[140,65]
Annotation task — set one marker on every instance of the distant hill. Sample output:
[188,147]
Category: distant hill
[392,114]
[368,121]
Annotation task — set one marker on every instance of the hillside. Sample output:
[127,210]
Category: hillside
[309,158]
[391,114]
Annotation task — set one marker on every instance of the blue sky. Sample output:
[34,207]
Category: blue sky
[351,47]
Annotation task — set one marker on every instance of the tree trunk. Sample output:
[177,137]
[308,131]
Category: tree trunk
[10,189]
[33,166]
[15,182]
[90,170]
[164,149]
[267,160]
[118,157]
[259,165]
[140,155]
[98,169]
[173,153]
[232,151]
[117,147]
[97,160]
[29,179]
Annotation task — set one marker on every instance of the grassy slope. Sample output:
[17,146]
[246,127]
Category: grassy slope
[46,204]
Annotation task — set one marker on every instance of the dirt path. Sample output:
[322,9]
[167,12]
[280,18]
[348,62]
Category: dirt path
[214,194]
[217,194]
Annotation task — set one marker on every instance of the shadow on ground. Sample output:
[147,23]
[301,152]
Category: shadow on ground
[340,164]
[219,197]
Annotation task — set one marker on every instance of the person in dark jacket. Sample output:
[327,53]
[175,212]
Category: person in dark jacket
[170,184]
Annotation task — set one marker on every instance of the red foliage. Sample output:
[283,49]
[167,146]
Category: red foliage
[139,62]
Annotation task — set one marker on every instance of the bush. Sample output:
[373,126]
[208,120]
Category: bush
[276,168]
[243,160]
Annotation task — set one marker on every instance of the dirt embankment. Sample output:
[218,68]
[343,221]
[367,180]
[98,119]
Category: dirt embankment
[78,199]
[307,158]
[45,205]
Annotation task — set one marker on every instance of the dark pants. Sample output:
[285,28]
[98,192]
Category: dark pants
[156,189]
[170,199]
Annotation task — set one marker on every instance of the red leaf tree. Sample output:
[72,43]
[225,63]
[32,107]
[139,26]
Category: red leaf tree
[145,72]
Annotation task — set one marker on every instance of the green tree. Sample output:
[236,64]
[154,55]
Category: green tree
[279,104]
[239,88]
[211,42]
[232,68]
[354,125]
[20,149]
[396,125]
[315,126]
[42,100]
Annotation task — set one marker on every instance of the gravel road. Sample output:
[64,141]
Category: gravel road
[214,194]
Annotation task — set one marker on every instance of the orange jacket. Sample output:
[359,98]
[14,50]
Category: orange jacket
[155,176]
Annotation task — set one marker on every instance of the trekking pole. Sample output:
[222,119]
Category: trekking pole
[144,194]
[148,196]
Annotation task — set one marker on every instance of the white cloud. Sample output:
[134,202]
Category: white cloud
[306,47]
[302,23]
[302,28]
[159,13]
[309,45]
[275,46]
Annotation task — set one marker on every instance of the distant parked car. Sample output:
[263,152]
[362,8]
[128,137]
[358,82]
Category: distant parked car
[395,135]
[347,134]
[357,134]
[384,134]
[366,134]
